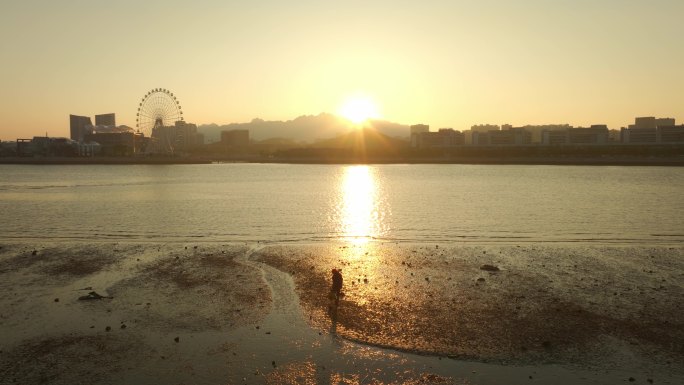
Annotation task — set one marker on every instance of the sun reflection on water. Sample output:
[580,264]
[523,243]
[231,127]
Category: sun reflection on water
[360,215]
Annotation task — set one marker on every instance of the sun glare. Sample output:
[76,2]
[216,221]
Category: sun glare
[359,109]
[358,192]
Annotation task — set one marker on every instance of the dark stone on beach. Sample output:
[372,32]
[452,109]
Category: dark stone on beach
[365,280]
[56,299]
[108,328]
[650,380]
[632,379]
[123,326]
[489,268]
[34,252]
[480,279]
[91,296]
[273,363]
[257,327]
[177,339]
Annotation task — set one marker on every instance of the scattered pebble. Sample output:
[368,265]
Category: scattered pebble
[108,328]
[489,267]
[177,339]
[56,299]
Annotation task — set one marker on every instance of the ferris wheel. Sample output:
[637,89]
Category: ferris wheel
[158,108]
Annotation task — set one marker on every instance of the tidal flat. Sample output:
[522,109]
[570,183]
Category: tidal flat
[207,313]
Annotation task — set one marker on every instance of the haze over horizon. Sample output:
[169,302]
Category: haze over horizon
[443,63]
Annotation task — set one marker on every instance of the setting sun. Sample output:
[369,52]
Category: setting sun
[358,109]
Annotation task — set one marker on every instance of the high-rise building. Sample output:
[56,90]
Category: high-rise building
[79,126]
[105,120]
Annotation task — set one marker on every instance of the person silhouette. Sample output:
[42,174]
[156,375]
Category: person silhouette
[336,289]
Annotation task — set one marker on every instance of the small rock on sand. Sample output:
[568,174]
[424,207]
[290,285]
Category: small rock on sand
[489,268]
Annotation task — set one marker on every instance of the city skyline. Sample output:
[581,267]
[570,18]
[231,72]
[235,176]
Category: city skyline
[447,64]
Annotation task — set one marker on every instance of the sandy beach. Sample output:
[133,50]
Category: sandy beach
[212,313]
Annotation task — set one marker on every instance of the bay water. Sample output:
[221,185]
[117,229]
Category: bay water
[356,203]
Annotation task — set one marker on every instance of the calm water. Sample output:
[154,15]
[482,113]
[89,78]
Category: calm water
[308,203]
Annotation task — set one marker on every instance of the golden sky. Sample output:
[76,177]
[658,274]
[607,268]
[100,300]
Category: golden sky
[444,63]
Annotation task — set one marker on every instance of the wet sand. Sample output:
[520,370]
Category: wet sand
[211,313]
[601,308]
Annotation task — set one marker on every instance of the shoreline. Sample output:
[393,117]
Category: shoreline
[540,161]
[215,299]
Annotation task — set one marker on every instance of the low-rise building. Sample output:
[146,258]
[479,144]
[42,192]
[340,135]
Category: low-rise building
[658,135]
[672,134]
[46,146]
[415,131]
[445,137]
[651,122]
[597,134]
[115,143]
[514,136]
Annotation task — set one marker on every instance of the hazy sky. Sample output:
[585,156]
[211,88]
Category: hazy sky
[444,63]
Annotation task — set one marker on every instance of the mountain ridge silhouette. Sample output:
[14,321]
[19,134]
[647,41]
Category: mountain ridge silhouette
[304,128]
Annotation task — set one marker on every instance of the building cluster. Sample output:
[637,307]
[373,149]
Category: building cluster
[180,138]
[107,139]
[644,131]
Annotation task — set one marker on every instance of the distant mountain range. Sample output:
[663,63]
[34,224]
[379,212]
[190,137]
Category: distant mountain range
[307,128]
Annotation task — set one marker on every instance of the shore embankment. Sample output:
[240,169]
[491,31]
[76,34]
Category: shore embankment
[675,161]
